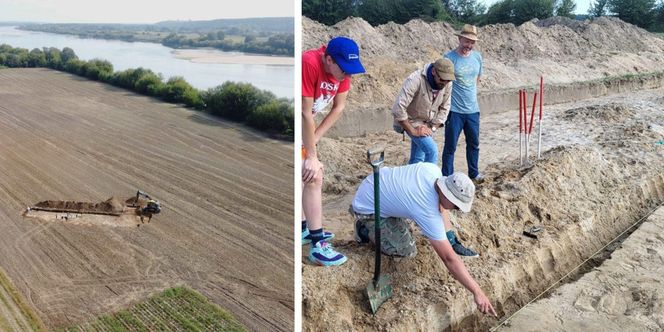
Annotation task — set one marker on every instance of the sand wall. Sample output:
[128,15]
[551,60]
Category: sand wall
[362,121]
[624,293]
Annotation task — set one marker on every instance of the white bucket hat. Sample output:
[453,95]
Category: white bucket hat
[458,189]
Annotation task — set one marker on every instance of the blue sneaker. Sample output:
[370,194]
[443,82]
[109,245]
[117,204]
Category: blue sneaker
[323,254]
[306,237]
[460,250]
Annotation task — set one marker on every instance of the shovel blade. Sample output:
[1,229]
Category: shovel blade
[379,292]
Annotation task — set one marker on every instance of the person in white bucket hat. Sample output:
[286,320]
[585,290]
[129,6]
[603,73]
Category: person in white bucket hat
[418,192]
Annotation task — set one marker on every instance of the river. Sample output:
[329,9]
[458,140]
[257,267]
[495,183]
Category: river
[161,59]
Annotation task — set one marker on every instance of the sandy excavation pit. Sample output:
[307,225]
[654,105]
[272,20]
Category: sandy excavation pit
[601,169]
[112,212]
[624,291]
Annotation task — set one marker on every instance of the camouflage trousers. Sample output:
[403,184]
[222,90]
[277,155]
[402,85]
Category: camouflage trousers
[395,236]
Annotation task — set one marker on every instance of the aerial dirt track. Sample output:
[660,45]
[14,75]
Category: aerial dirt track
[227,202]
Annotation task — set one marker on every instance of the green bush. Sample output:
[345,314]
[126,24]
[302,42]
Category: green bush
[235,101]
[177,90]
[276,115]
[519,11]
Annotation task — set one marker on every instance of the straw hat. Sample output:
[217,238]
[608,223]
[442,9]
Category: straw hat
[468,31]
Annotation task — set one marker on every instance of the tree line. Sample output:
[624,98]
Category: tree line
[241,102]
[244,35]
[277,44]
[647,14]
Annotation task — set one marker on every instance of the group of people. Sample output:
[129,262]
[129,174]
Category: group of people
[442,95]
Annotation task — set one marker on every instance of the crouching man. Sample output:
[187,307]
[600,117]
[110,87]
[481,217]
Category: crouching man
[420,193]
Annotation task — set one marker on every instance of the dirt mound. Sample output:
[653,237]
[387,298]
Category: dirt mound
[560,193]
[110,206]
[612,112]
[562,50]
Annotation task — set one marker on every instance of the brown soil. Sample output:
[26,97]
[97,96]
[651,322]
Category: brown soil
[221,187]
[560,49]
[601,170]
[624,293]
[111,206]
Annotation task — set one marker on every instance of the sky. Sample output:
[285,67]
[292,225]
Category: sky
[581,5]
[138,11]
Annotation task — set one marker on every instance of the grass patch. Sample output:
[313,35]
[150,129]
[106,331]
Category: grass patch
[175,309]
[27,311]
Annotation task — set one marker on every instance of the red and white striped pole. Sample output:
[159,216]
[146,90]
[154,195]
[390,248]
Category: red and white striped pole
[539,131]
[521,127]
[530,128]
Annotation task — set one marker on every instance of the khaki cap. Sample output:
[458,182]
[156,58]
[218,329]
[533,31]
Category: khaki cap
[445,69]
[468,31]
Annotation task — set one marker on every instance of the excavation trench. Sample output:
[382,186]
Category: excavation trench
[581,196]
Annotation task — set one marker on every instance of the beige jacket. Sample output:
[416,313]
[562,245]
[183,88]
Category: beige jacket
[415,101]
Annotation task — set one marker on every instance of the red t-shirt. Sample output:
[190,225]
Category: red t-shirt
[318,84]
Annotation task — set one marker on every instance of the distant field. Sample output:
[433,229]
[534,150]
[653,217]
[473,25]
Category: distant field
[176,309]
[226,192]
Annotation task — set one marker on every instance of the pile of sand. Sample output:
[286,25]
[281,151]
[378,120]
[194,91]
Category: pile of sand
[562,50]
[111,206]
[582,196]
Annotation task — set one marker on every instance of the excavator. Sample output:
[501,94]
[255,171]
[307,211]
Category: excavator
[151,207]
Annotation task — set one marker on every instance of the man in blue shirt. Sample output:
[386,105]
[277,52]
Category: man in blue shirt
[465,111]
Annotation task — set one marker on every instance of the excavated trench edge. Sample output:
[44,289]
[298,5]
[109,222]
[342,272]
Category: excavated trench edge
[547,265]
[363,121]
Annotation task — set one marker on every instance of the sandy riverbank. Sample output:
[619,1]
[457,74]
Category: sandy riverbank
[215,56]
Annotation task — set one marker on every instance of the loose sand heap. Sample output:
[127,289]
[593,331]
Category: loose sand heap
[601,169]
[112,206]
[561,49]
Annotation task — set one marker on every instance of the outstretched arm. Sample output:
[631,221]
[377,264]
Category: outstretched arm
[460,273]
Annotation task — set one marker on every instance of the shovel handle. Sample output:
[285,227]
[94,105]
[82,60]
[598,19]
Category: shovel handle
[372,152]
[375,163]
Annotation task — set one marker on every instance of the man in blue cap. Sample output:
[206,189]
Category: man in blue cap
[326,79]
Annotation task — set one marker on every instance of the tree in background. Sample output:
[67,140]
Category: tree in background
[519,11]
[178,90]
[566,8]
[526,10]
[36,58]
[500,12]
[598,8]
[237,101]
[275,115]
[68,54]
[53,57]
[328,12]
[637,12]
[466,11]
[659,18]
[377,12]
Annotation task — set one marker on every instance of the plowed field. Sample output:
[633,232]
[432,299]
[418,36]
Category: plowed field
[225,228]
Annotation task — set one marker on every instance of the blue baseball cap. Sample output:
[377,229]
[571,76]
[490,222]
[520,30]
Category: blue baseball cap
[346,54]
